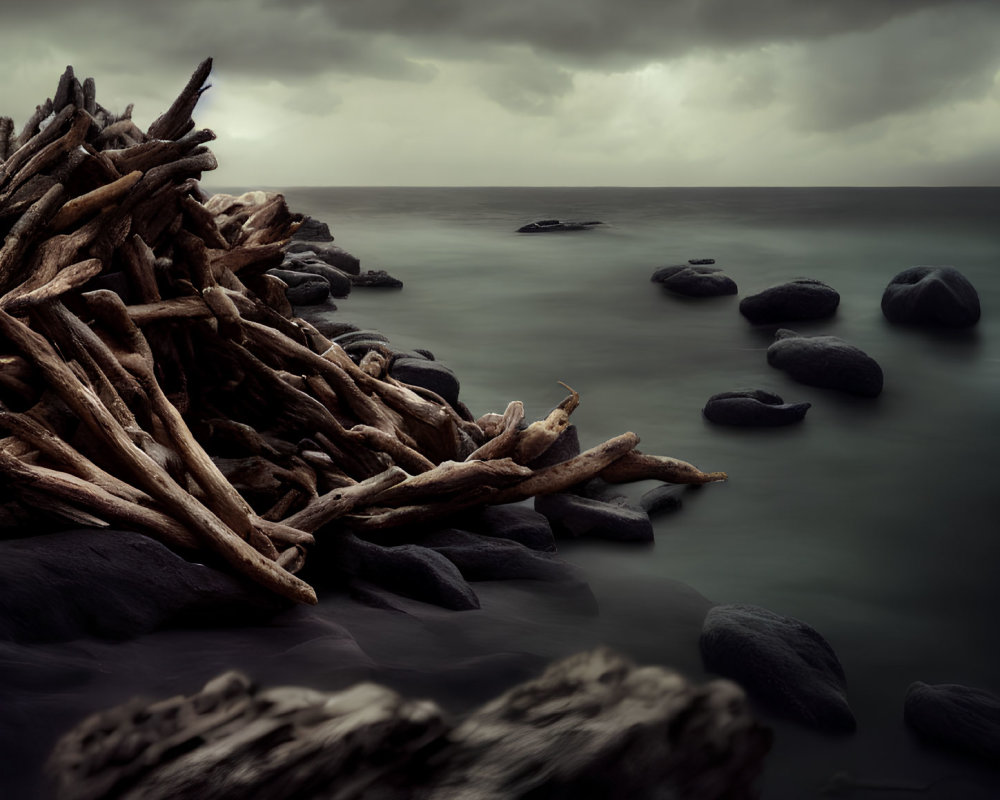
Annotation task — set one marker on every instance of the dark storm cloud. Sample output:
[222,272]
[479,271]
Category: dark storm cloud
[601,32]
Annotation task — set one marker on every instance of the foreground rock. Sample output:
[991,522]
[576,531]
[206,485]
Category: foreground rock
[931,296]
[113,584]
[781,661]
[695,280]
[575,517]
[753,408]
[593,725]
[956,717]
[801,299]
[826,361]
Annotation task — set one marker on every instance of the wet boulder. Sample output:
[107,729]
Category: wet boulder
[515,522]
[940,296]
[327,253]
[781,661]
[575,517]
[431,375]
[695,280]
[753,408]
[304,288]
[407,569]
[827,362]
[801,299]
[379,279]
[956,717]
[486,558]
[312,230]
[340,282]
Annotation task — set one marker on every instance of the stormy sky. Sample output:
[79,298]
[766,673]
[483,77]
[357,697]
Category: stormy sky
[543,92]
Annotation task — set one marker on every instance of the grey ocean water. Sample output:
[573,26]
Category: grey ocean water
[875,520]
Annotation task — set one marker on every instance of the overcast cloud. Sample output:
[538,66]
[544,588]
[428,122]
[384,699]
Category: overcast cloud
[550,92]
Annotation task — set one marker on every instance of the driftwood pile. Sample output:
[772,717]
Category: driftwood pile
[152,375]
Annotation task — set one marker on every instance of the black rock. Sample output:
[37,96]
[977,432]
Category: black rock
[555,226]
[701,261]
[113,584]
[431,375]
[826,361]
[486,558]
[361,335]
[779,660]
[329,254]
[753,408]
[565,447]
[662,498]
[575,517]
[931,296]
[956,717]
[800,299]
[377,279]
[409,570]
[309,293]
[516,522]
[340,282]
[312,230]
[695,281]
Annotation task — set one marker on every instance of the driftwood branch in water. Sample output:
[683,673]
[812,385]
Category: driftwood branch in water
[153,377]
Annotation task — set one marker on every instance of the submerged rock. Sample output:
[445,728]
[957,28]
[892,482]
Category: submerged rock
[803,298]
[779,660]
[753,408]
[826,361]
[695,281]
[931,296]
[593,725]
[956,717]
[575,517]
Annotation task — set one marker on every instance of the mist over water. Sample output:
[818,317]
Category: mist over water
[873,520]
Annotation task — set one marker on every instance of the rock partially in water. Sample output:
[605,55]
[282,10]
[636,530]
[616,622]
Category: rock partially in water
[329,254]
[340,282]
[956,717]
[701,261]
[801,299]
[312,230]
[663,498]
[695,281]
[781,661]
[925,295]
[575,517]
[593,725]
[114,584]
[753,408]
[826,361]
[431,375]
[376,278]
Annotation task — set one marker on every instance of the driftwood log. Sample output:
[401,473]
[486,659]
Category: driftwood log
[152,376]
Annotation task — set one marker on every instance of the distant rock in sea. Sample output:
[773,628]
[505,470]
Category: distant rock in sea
[940,296]
[555,225]
[801,299]
[753,408]
[695,281]
[827,362]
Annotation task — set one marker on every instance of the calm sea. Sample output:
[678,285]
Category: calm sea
[875,521]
